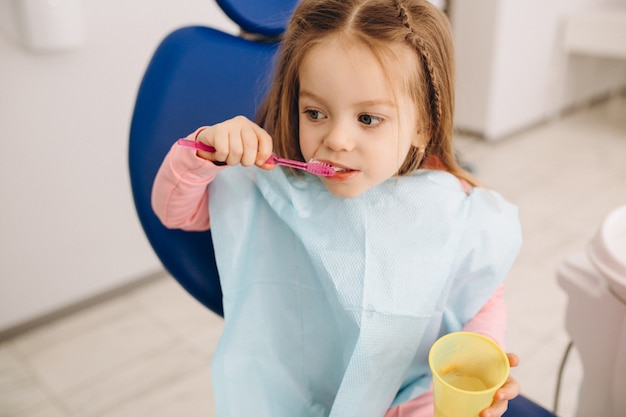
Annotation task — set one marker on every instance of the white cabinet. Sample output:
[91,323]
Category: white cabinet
[514,69]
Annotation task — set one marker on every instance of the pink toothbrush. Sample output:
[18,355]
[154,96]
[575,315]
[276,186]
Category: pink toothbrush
[316,168]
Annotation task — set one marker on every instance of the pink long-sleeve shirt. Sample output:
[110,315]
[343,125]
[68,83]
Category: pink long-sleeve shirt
[180,201]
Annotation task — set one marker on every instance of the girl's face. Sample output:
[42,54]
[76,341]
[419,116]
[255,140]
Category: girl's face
[350,117]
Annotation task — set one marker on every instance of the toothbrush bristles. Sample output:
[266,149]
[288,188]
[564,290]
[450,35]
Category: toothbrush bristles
[320,168]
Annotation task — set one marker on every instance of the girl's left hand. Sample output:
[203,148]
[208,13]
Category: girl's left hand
[508,391]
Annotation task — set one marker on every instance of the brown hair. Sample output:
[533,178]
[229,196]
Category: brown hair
[375,24]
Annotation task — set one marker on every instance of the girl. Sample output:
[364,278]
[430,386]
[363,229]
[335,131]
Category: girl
[336,287]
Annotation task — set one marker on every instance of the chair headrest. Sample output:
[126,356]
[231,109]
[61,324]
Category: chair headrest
[266,18]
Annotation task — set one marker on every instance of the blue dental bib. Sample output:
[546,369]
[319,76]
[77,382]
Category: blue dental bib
[332,304]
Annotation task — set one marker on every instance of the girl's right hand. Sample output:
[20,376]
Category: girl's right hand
[237,141]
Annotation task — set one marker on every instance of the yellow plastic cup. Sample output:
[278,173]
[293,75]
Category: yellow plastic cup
[467,370]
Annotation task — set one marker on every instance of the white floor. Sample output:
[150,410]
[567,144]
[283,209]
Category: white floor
[148,352]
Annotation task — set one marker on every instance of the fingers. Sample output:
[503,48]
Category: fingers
[217,136]
[250,146]
[513,359]
[507,392]
[264,146]
[498,408]
[236,141]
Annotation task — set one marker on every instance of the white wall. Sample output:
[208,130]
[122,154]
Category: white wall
[513,69]
[68,229]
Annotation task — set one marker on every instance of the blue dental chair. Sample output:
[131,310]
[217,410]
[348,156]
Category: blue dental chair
[198,76]
[201,76]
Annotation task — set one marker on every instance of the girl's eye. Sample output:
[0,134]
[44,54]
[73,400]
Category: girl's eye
[369,120]
[314,114]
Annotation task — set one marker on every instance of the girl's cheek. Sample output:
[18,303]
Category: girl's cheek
[306,148]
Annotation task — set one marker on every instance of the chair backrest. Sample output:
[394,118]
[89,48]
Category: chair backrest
[264,17]
[197,76]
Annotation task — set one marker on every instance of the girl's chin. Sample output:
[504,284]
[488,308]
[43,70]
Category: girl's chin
[344,190]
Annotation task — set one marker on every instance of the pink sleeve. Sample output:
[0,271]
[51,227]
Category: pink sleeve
[489,321]
[179,193]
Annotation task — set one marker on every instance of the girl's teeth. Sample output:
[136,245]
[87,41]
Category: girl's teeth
[337,169]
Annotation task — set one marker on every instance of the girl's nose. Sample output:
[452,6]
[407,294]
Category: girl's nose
[339,139]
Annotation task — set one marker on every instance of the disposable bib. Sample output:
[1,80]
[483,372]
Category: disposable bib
[331,304]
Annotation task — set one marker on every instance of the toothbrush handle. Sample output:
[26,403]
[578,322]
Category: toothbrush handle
[316,169]
[287,162]
[192,144]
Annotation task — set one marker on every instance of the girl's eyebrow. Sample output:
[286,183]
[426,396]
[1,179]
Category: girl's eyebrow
[365,103]
[372,103]
[308,94]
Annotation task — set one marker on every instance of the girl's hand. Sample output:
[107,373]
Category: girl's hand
[508,391]
[237,141]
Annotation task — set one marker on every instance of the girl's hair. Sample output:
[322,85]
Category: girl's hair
[375,24]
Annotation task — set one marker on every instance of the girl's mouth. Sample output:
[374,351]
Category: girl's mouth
[337,168]
[342,173]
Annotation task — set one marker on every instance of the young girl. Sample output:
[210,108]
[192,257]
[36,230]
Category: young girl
[336,287]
